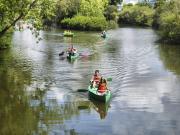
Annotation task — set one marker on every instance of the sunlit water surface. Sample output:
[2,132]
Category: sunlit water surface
[38,89]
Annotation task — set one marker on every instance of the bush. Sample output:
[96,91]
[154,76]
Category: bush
[84,23]
[137,15]
[111,13]
[112,24]
[169,25]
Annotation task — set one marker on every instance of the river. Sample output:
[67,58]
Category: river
[39,90]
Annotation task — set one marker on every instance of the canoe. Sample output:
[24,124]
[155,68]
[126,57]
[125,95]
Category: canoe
[73,57]
[94,94]
[68,34]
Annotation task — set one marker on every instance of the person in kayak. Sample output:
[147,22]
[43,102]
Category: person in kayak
[102,85]
[95,78]
[72,51]
[103,33]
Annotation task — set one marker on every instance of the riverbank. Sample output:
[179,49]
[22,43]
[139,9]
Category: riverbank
[164,17]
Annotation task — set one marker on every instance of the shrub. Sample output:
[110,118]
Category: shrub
[169,25]
[137,15]
[111,13]
[112,24]
[84,23]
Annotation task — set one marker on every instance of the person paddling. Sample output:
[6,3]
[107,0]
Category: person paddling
[72,51]
[102,85]
[95,78]
[103,34]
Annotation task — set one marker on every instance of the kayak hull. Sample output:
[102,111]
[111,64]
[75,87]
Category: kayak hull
[93,94]
[72,57]
[68,35]
[103,36]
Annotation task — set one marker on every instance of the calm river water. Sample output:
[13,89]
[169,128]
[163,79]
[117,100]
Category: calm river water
[38,89]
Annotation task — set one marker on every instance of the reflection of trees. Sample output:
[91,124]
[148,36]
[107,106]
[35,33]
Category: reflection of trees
[15,114]
[25,112]
[170,55]
[101,108]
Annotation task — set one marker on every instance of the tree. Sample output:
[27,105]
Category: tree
[67,8]
[169,25]
[115,2]
[93,7]
[11,11]
[158,6]
[111,13]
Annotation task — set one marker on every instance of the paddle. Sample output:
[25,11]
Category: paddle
[82,90]
[62,53]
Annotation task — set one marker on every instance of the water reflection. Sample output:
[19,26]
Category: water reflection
[170,55]
[101,108]
[38,90]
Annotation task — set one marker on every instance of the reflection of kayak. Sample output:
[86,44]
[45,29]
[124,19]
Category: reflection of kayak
[73,57]
[68,34]
[103,97]
[101,108]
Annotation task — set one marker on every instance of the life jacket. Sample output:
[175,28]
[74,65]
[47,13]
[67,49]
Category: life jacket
[102,87]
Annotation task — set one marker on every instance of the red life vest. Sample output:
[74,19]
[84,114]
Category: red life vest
[102,87]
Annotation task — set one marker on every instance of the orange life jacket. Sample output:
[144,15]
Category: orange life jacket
[102,87]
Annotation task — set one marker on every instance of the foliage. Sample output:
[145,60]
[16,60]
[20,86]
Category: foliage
[137,15]
[92,7]
[170,21]
[5,41]
[67,8]
[115,2]
[111,13]
[85,23]
[112,24]
[159,5]
[11,11]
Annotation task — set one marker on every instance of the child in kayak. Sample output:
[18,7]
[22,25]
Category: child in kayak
[102,86]
[103,34]
[72,51]
[95,78]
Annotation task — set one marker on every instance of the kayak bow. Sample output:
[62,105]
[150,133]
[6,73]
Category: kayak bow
[73,57]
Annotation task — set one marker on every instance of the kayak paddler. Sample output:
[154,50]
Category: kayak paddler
[95,78]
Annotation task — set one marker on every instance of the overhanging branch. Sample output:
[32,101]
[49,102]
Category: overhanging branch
[17,19]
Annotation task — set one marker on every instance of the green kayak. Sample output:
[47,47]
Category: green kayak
[73,57]
[103,97]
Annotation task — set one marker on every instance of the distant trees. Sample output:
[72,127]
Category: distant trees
[89,17]
[67,8]
[137,15]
